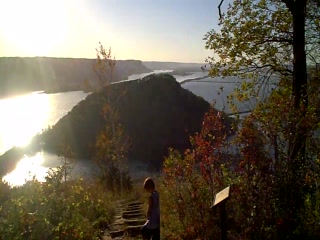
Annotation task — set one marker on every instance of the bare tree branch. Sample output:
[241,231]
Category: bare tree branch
[219,7]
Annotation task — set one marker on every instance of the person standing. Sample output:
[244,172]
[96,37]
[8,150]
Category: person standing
[151,229]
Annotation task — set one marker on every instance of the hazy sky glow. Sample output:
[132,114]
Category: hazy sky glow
[163,30]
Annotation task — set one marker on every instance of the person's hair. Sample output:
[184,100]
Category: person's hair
[149,184]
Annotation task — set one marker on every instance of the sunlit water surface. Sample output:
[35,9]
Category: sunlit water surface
[26,169]
[37,167]
[24,116]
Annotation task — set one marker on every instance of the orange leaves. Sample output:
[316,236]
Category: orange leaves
[192,176]
[209,151]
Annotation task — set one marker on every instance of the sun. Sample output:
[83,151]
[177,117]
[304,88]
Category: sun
[34,27]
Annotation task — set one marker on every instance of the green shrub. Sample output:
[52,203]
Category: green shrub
[75,209]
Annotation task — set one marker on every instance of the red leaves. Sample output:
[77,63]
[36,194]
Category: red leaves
[192,177]
[209,150]
[210,146]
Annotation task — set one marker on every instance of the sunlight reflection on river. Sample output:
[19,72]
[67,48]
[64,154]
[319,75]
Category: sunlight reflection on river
[21,118]
[24,116]
[29,168]
[37,167]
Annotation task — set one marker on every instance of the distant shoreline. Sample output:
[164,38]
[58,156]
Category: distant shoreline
[63,91]
[197,79]
[193,79]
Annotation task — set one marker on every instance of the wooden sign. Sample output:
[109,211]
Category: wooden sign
[221,196]
[220,201]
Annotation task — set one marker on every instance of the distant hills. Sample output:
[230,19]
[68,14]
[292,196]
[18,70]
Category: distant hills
[21,75]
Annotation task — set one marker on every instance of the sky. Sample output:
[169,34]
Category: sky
[147,30]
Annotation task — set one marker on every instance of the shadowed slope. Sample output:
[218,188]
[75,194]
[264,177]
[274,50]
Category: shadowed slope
[156,113]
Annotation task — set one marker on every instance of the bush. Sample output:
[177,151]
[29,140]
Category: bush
[273,196]
[55,210]
[192,179]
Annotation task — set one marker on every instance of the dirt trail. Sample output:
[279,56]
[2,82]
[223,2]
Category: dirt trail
[128,221]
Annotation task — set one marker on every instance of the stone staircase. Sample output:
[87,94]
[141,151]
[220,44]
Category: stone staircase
[128,221]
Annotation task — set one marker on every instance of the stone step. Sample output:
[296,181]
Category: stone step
[119,221]
[127,221]
[116,227]
[134,204]
[132,215]
[106,238]
[134,231]
[117,217]
[115,234]
[132,211]
[134,222]
[133,208]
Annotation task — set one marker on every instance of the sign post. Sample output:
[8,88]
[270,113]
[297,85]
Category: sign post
[220,201]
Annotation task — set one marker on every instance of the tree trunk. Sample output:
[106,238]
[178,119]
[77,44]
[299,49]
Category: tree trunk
[300,84]
[299,53]
[297,143]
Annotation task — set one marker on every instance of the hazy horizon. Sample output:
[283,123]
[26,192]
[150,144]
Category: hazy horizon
[93,58]
[163,31]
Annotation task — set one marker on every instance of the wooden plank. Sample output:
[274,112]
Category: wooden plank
[221,196]
[220,201]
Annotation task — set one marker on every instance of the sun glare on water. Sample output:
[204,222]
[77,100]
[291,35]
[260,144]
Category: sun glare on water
[27,169]
[25,116]
[34,27]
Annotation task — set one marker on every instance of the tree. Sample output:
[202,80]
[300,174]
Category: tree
[104,69]
[272,41]
[66,158]
[86,85]
[211,164]
[192,180]
[110,156]
[270,36]
[112,145]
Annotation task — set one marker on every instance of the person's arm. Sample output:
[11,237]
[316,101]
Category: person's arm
[149,207]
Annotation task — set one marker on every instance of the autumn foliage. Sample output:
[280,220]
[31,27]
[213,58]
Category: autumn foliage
[255,161]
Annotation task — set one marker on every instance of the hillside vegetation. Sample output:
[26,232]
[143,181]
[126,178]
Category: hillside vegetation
[155,112]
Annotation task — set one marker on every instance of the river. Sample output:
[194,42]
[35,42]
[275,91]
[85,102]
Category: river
[24,116]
